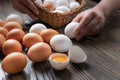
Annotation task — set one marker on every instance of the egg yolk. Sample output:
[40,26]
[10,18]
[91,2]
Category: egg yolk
[60,59]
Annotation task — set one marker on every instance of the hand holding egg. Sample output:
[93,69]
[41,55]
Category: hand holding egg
[69,29]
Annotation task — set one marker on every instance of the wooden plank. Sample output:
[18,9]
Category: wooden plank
[103,54]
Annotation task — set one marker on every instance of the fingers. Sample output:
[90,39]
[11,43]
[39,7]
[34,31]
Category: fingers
[87,25]
[30,6]
[77,18]
[84,22]
[23,9]
[96,30]
[19,6]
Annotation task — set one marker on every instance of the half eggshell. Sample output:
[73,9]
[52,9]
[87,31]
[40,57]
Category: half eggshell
[58,65]
[76,54]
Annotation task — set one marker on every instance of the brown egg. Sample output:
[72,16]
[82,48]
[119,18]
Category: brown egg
[47,34]
[39,52]
[30,39]
[12,25]
[49,6]
[3,31]
[16,34]
[2,40]
[10,46]
[2,23]
[14,63]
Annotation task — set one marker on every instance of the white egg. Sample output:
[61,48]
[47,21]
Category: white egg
[63,8]
[76,54]
[38,2]
[57,65]
[62,3]
[58,11]
[37,28]
[69,29]
[74,5]
[60,43]
[15,17]
[53,2]
[69,1]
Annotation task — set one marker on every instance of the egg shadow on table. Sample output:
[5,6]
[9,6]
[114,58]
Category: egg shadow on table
[62,74]
[1,55]
[80,66]
[20,76]
[45,68]
[42,67]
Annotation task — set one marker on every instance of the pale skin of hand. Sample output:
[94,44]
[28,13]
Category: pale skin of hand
[26,6]
[91,21]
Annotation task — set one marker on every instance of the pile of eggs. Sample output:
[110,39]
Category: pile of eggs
[42,44]
[60,6]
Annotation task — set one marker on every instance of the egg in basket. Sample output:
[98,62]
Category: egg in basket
[58,13]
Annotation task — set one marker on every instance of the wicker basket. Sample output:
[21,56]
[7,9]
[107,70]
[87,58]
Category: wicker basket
[57,20]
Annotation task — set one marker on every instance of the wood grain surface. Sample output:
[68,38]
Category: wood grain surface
[103,51]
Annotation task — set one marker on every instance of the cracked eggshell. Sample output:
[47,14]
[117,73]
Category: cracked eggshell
[60,43]
[37,28]
[76,54]
[74,5]
[58,65]
[63,8]
[69,29]
[15,18]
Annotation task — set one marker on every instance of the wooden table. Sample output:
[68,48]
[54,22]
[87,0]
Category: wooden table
[103,51]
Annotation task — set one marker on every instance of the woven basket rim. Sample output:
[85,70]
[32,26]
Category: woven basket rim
[83,3]
[59,19]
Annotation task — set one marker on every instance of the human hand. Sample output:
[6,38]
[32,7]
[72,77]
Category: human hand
[91,22]
[26,6]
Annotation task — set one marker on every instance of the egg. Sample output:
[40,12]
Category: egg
[49,6]
[60,43]
[69,29]
[2,40]
[16,34]
[62,3]
[15,18]
[14,63]
[63,8]
[31,38]
[3,31]
[58,11]
[37,28]
[38,2]
[76,54]
[10,46]
[39,52]
[2,23]
[47,34]
[74,5]
[69,1]
[12,25]
[58,61]
[53,2]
